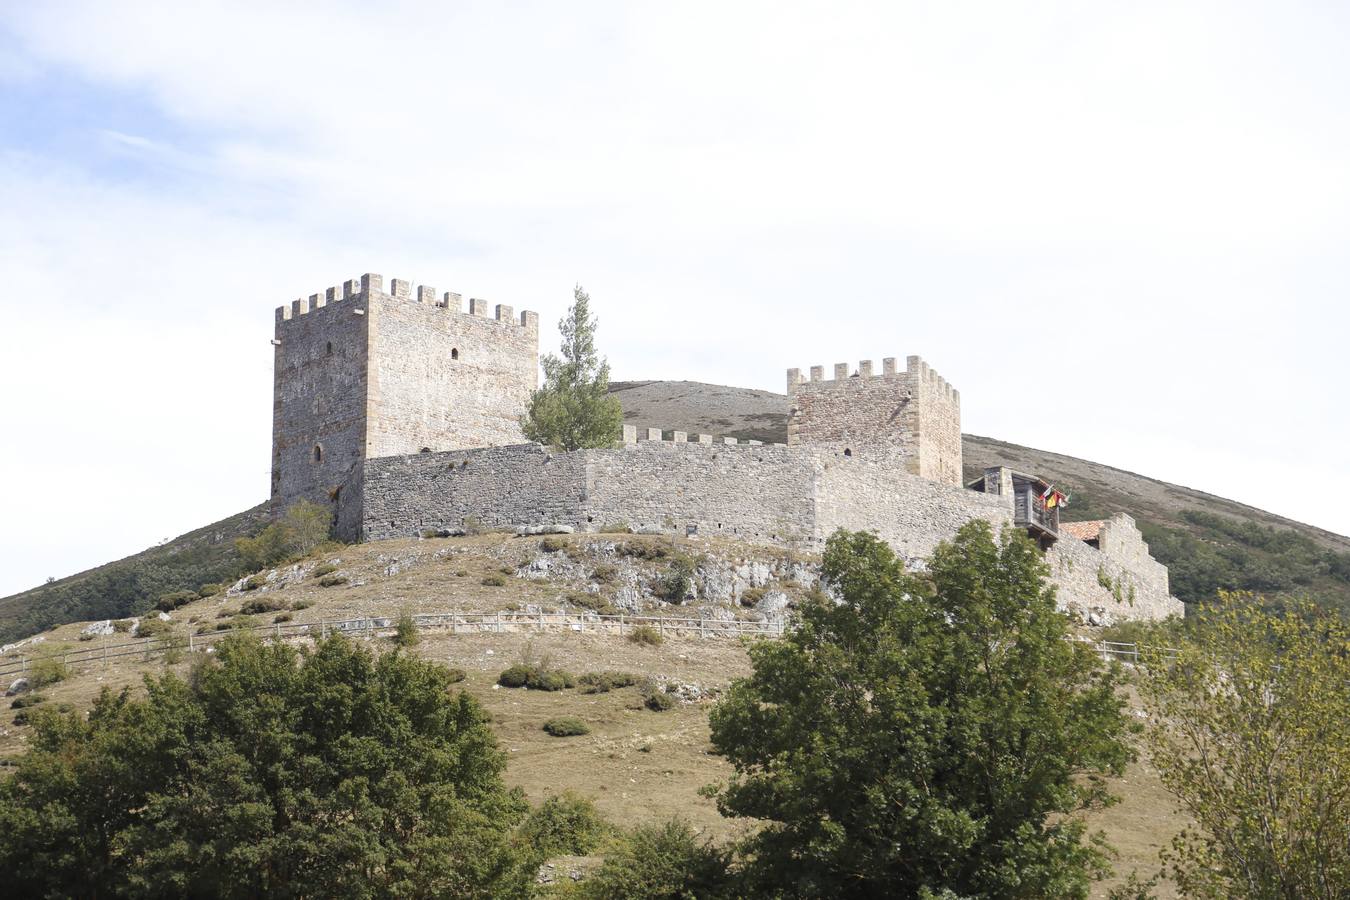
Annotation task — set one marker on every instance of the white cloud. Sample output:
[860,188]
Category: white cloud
[1153,200]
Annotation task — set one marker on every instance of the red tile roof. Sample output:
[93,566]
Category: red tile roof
[1084,531]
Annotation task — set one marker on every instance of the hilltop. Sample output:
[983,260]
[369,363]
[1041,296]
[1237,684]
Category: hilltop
[1208,542]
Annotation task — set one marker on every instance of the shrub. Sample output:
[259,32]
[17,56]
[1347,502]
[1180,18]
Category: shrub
[516,676]
[567,823]
[643,551]
[297,605]
[593,602]
[21,717]
[48,670]
[751,596]
[170,602]
[616,528]
[455,674]
[604,682]
[605,573]
[283,617]
[494,579]
[566,726]
[151,626]
[332,580]
[405,633]
[667,860]
[462,573]
[552,544]
[473,525]
[645,634]
[210,590]
[86,636]
[254,582]
[678,581]
[26,700]
[121,626]
[259,605]
[226,613]
[547,681]
[658,700]
[323,569]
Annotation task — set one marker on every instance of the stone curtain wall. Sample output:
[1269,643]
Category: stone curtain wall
[870,492]
[497,486]
[914,411]
[1119,581]
[444,379]
[318,397]
[752,492]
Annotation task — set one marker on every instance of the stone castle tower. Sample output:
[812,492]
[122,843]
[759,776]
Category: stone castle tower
[363,374]
[914,411]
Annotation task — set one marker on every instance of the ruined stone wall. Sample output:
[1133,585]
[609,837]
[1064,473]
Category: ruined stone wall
[443,379]
[914,411]
[870,492]
[1117,582]
[493,486]
[319,397]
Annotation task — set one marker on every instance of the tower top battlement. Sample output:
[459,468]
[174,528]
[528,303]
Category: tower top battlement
[354,291]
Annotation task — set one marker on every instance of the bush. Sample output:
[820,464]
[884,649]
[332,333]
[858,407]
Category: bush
[658,700]
[210,590]
[21,717]
[405,633]
[567,823]
[170,602]
[547,681]
[323,569]
[645,634]
[121,626]
[616,528]
[254,582]
[86,636]
[552,544]
[454,675]
[678,581]
[298,605]
[643,551]
[283,617]
[516,676]
[665,860]
[260,605]
[48,670]
[150,626]
[604,682]
[566,726]
[462,573]
[605,573]
[751,596]
[26,700]
[332,580]
[494,579]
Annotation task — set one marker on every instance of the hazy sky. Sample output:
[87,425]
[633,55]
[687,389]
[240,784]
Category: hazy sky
[1121,230]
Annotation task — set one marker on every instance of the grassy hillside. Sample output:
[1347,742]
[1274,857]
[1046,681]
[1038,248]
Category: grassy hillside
[132,585]
[1208,543]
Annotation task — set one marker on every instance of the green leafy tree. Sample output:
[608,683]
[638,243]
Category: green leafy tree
[1251,733]
[668,861]
[304,526]
[270,772]
[927,734]
[574,408]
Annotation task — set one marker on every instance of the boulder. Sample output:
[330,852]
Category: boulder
[98,628]
[18,686]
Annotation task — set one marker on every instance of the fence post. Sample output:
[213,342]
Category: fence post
[191,648]
[661,624]
[105,649]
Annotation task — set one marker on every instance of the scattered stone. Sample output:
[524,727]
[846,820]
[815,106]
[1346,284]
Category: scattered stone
[98,628]
[18,686]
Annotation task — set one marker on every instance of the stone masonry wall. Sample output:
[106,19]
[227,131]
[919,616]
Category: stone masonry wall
[915,412]
[1119,581]
[319,397]
[869,492]
[497,486]
[443,379]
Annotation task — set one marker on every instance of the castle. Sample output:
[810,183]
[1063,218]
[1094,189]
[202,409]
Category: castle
[401,411]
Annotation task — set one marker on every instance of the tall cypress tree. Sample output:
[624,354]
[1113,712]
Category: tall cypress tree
[573,409]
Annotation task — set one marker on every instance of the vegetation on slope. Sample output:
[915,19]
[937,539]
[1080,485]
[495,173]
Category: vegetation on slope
[132,586]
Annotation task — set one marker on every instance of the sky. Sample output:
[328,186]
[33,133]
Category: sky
[1121,230]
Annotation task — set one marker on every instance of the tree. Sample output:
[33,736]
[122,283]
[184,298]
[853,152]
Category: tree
[304,527]
[574,409]
[1251,733]
[270,772]
[926,734]
[666,861]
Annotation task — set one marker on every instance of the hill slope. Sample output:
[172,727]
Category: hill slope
[1208,542]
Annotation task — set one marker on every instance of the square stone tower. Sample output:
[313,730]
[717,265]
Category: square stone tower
[914,411]
[360,373]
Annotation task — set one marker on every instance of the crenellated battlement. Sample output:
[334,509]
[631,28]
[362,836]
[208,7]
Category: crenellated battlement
[635,435]
[915,369]
[358,291]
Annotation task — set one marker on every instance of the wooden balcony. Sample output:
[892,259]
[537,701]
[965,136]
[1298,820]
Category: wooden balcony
[1029,509]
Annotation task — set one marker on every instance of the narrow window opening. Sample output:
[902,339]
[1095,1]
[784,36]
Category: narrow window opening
[454,353]
[330,348]
[318,453]
[848,452]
